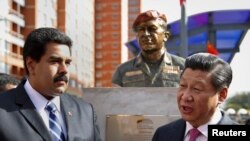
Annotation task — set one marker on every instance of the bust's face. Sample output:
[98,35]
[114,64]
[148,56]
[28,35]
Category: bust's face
[151,35]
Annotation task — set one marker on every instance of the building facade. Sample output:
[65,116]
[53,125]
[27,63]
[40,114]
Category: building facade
[11,38]
[74,17]
[99,30]
[111,34]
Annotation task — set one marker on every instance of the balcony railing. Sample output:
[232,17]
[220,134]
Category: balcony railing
[20,2]
[16,17]
[14,37]
[11,58]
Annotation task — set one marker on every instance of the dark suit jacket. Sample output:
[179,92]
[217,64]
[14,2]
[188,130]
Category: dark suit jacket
[19,120]
[175,130]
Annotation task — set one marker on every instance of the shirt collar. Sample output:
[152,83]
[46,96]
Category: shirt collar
[167,59]
[216,117]
[38,99]
[204,128]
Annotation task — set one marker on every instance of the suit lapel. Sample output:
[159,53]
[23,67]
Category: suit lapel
[178,130]
[28,111]
[69,116]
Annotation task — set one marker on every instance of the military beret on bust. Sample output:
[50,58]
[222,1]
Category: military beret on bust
[148,15]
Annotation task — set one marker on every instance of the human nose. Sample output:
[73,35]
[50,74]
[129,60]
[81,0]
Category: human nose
[63,68]
[186,95]
[146,32]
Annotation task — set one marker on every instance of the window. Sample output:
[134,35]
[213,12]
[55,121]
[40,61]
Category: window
[98,84]
[98,65]
[98,55]
[133,2]
[115,35]
[115,54]
[98,26]
[134,9]
[115,26]
[115,16]
[98,74]
[115,6]
[98,45]
[99,36]
[99,17]
[115,45]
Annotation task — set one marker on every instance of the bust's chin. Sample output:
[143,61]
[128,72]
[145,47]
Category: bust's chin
[150,50]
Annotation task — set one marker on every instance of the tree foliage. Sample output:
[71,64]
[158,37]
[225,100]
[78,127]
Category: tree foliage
[240,100]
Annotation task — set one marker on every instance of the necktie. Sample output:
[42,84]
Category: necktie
[194,133]
[54,124]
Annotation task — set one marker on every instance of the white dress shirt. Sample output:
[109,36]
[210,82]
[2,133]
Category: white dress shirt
[204,128]
[41,102]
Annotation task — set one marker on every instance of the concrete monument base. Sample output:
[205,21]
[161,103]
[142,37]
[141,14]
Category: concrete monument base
[132,101]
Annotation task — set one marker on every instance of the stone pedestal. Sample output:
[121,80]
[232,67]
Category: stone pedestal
[147,101]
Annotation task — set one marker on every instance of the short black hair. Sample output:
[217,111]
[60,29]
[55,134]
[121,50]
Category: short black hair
[36,43]
[7,79]
[221,70]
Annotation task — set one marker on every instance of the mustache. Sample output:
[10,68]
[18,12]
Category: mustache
[61,77]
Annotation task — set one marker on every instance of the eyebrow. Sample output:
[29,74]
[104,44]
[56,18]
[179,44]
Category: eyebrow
[53,57]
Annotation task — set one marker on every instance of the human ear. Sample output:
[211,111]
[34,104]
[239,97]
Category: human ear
[30,63]
[223,94]
[167,35]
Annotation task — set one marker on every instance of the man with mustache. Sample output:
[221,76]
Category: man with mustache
[154,66]
[38,109]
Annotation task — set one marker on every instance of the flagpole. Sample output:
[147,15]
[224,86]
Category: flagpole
[183,37]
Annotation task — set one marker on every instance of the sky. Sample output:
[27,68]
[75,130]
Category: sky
[239,64]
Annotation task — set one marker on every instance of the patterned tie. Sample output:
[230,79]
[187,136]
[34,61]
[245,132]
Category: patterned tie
[54,124]
[194,133]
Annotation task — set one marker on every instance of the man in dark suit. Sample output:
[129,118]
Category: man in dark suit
[203,86]
[7,82]
[26,110]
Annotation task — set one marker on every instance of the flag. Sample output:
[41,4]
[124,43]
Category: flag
[183,30]
[212,49]
[182,2]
